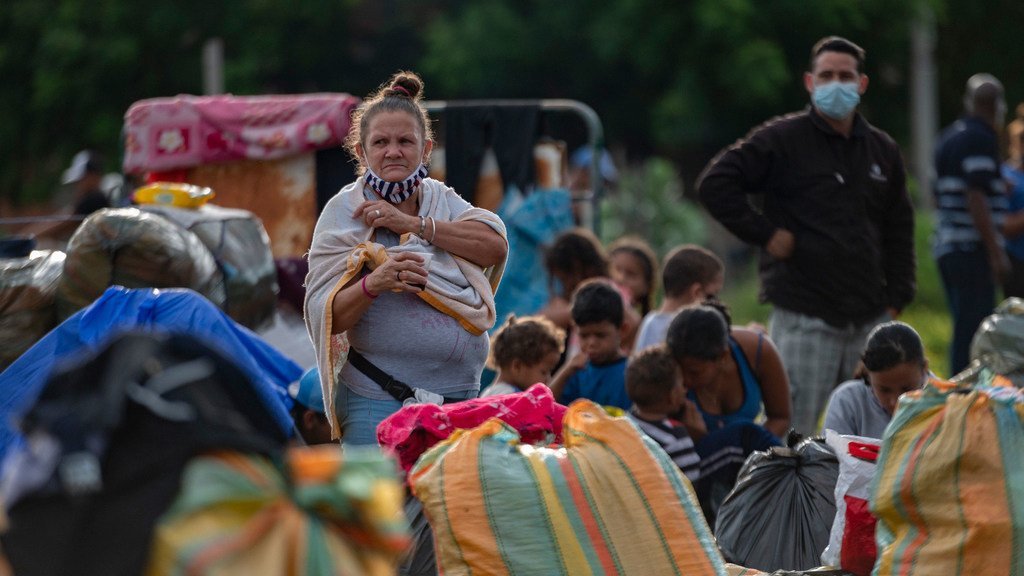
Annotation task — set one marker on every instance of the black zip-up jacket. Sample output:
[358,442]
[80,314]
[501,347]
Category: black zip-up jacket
[845,201]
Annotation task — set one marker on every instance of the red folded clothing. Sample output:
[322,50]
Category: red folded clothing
[414,429]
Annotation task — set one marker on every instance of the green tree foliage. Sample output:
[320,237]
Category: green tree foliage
[71,68]
[678,79]
[646,204]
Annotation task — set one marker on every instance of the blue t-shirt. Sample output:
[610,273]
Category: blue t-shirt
[1015,177]
[604,384]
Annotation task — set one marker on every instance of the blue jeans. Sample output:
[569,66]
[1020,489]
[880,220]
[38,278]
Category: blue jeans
[971,295]
[359,415]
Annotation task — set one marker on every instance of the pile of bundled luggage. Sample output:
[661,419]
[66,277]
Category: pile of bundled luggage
[165,452]
[497,485]
[511,484]
[223,254]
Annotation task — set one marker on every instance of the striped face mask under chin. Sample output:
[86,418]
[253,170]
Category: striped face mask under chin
[395,192]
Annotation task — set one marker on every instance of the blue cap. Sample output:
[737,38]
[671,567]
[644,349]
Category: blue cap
[307,391]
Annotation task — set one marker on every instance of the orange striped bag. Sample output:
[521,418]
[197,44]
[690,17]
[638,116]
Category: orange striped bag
[605,503]
[949,489]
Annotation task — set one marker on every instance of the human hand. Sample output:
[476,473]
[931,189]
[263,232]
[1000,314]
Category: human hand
[692,419]
[405,272]
[781,244]
[381,214]
[577,362]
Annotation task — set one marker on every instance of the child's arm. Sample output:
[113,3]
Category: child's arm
[567,371]
[558,311]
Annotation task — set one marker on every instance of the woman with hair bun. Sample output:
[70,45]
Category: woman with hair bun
[402,273]
[892,364]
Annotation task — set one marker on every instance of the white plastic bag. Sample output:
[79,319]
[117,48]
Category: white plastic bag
[854,526]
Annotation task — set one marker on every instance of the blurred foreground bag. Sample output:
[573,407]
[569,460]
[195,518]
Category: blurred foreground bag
[851,545]
[27,290]
[998,345]
[105,446]
[948,492]
[241,248]
[325,513]
[147,310]
[779,514]
[131,248]
[609,502]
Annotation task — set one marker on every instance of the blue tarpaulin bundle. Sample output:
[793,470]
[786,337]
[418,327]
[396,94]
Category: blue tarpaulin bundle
[165,310]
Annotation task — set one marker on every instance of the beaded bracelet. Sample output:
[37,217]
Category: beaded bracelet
[369,294]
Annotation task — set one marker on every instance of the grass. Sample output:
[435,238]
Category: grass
[927,313]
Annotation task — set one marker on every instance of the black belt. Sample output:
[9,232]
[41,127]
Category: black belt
[396,388]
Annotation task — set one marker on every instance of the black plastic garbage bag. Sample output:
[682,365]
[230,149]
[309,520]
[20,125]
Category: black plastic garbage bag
[135,249]
[240,246]
[779,514]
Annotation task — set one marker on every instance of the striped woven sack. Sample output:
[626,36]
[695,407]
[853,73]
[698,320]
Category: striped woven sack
[949,489]
[238,515]
[608,502]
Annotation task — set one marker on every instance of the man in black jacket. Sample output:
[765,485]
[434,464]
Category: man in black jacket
[835,225]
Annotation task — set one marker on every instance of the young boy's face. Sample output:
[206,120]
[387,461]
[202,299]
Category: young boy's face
[600,341]
[522,375]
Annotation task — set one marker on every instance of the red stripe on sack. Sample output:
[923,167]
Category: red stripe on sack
[906,497]
[597,539]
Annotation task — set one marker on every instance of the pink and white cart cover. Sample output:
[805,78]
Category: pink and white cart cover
[186,131]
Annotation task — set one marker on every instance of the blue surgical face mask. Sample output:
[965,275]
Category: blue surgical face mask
[837,100]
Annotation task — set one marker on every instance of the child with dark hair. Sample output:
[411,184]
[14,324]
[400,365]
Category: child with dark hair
[634,266]
[574,256]
[655,387]
[524,351]
[597,371]
[308,413]
[691,274]
[893,363]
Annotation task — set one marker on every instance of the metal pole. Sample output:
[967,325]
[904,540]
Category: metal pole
[213,66]
[923,102]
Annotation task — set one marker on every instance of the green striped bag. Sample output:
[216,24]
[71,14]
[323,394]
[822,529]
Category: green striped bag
[949,489]
[609,502]
[239,515]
